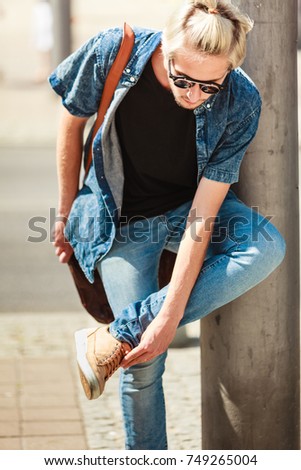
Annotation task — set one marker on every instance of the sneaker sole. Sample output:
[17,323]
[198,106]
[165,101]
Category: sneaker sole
[88,378]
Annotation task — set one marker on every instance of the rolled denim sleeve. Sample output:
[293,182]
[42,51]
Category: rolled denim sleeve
[225,160]
[80,78]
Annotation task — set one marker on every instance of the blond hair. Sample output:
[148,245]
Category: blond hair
[213,27]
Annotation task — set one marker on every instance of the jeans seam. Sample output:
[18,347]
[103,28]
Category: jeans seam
[220,259]
[232,238]
[155,302]
[123,327]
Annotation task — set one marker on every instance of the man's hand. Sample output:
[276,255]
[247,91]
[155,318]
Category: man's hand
[63,248]
[154,341]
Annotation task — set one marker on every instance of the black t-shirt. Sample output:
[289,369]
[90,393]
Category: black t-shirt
[157,139]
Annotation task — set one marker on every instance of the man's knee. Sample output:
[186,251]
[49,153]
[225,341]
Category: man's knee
[268,247]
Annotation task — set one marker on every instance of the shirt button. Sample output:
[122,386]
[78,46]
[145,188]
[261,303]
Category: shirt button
[127,70]
[132,79]
[208,106]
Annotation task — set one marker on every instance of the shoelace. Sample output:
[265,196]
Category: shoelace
[112,362]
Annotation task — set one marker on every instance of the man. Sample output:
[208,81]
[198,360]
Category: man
[171,145]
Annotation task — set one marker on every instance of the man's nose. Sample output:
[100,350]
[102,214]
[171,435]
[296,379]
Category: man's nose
[194,93]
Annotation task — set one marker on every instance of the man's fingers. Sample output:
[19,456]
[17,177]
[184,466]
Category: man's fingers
[138,355]
[64,257]
[138,360]
[134,355]
[59,250]
[64,253]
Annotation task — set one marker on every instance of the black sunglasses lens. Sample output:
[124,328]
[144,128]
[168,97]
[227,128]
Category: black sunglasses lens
[181,83]
[209,89]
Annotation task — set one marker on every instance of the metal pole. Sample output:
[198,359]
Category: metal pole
[61,30]
[250,348]
[299,24]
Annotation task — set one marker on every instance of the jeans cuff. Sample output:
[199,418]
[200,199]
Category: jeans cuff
[124,334]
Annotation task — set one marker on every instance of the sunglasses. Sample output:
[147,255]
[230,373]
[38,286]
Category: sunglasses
[181,81]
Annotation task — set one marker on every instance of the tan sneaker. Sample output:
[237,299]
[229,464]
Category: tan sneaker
[99,355]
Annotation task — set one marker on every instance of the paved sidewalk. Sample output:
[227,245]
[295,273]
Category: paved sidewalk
[42,405]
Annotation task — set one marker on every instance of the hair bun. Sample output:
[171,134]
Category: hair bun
[213,11]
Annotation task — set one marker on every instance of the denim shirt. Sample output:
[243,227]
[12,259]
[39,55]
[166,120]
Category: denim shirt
[225,125]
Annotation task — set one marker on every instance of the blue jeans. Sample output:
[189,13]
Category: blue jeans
[245,248]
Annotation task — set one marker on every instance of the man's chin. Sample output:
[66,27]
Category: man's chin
[183,103]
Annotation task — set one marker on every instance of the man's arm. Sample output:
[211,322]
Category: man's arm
[192,251]
[69,157]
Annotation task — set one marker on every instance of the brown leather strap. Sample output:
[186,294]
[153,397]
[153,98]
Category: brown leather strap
[111,83]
